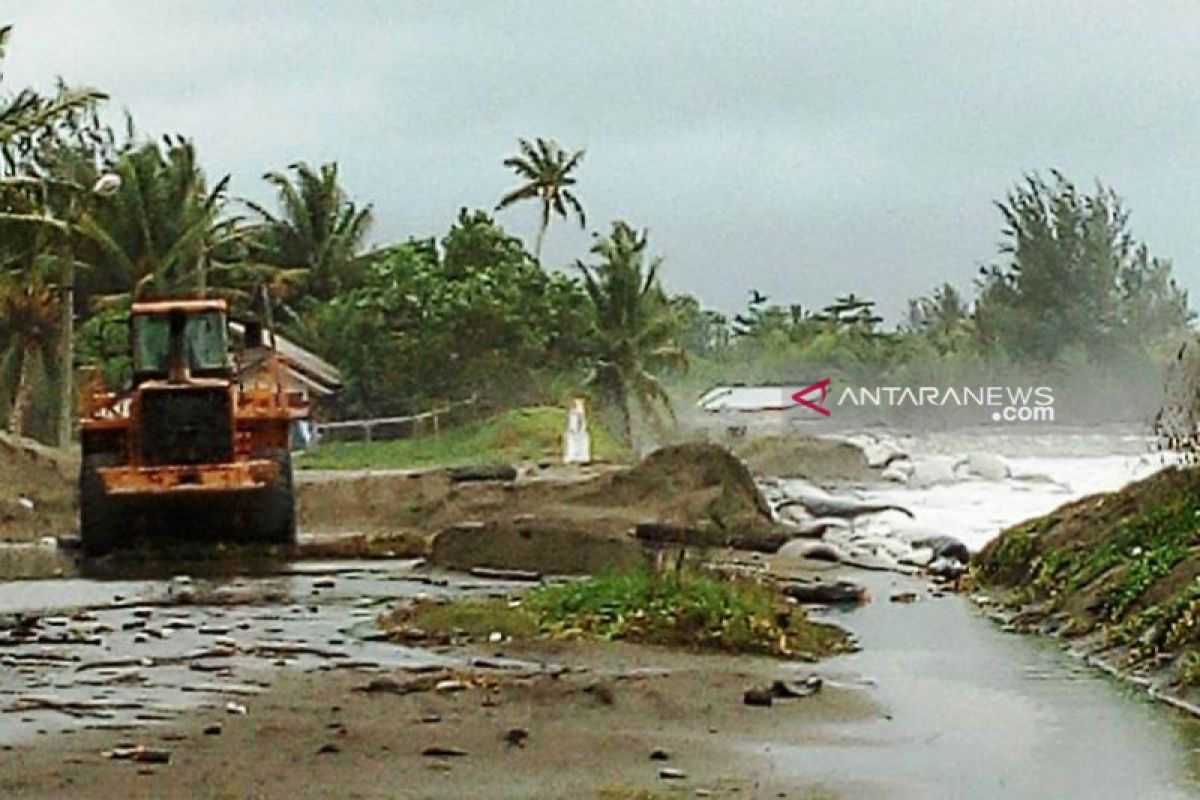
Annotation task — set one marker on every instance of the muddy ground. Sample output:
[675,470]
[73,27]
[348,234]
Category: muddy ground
[600,721]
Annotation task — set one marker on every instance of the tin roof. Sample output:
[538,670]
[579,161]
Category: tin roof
[186,306]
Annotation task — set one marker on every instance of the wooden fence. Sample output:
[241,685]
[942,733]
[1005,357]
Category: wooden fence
[385,428]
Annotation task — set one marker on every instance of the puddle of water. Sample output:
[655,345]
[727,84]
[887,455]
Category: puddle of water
[982,714]
[134,657]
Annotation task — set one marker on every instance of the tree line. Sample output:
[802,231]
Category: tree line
[94,216]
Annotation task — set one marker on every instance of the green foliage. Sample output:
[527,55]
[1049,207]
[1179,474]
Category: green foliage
[634,329]
[1075,277]
[312,248]
[28,119]
[481,318]
[103,341]
[155,236]
[685,609]
[473,619]
[522,434]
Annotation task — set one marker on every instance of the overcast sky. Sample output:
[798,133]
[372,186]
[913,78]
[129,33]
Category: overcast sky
[803,149]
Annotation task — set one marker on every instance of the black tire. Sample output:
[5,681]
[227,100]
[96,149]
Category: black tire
[273,520]
[99,520]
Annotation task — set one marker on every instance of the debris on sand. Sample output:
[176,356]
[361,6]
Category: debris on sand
[139,754]
[442,751]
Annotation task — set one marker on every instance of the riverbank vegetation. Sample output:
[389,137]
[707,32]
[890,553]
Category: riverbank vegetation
[685,608]
[439,316]
[1121,568]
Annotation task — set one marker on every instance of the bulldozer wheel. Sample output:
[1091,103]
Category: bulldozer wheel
[274,518]
[99,520]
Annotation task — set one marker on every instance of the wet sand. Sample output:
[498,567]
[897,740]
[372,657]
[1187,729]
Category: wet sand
[588,732]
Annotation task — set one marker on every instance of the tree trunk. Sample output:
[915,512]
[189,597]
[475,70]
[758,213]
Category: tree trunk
[541,237]
[23,395]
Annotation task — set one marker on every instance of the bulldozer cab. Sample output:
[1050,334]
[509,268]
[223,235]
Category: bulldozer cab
[179,340]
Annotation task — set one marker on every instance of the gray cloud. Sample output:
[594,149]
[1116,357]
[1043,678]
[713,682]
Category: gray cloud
[804,149]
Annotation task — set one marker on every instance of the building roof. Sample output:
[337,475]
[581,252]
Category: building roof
[307,368]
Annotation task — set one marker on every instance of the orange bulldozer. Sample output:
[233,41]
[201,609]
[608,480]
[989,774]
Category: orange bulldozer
[200,446]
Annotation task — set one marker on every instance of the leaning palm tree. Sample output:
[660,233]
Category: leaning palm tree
[547,171]
[25,116]
[318,236]
[634,327]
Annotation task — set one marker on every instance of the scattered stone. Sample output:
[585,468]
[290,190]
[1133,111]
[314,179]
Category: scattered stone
[658,754]
[904,597]
[946,547]
[948,568]
[324,583]
[838,592]
[806,688]
[329,747]
[672,774]
[236,709]
[430,719]
[516,737]
[603,692]
[818,551]
[214,729]
[389,685]
[450,686]
[758,696]
[932,471]
[988,466]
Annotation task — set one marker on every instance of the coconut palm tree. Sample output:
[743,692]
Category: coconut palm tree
[156,233]
[25,116]
[546,170]
[317,238]
[634,326]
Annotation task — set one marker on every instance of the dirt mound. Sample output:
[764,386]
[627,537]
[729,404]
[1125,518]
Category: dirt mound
[546,545]
[698,489]
[1121,567]
[809,457]
[37,490]
[678,472]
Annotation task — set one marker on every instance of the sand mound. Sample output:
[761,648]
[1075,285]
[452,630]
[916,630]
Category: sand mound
[676,474]
[33,473]
[698,488]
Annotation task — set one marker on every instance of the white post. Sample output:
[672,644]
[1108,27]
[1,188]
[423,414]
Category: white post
[577,444]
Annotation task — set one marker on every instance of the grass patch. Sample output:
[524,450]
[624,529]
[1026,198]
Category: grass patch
[475,619]
[523,434]
[688,609]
